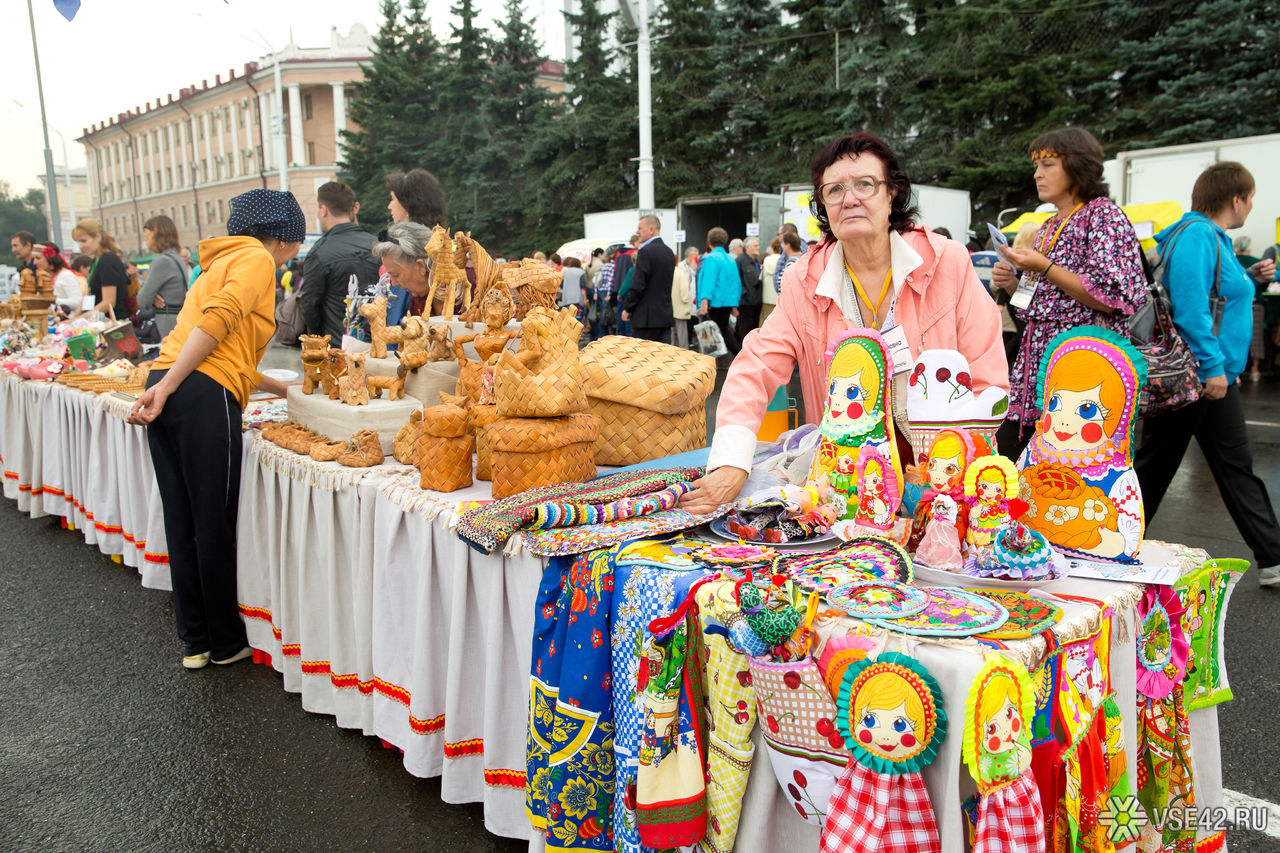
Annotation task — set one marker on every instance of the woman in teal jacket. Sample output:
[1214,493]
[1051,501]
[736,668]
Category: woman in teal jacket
[719,287]
[1194,250]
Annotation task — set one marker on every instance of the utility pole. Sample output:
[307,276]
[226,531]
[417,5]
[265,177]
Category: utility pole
[55,217]
[643,72]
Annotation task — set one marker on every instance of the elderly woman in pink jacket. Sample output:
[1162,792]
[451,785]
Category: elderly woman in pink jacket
[874,269]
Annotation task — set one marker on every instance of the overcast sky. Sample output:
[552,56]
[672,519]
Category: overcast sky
[117,54]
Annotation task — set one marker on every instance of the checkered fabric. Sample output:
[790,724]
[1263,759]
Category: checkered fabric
[1011,819]
[880,813]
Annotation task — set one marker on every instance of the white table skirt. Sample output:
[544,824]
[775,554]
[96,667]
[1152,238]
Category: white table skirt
[69,453]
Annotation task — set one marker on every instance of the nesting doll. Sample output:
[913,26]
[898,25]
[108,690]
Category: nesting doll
[857,410]
[941,472]
[1077,473]
[990,491]
[997,748]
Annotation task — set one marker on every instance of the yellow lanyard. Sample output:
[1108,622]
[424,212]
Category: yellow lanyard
[1044,250]
[884,291]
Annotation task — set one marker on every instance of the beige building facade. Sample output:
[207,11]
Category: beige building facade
[188,155]
[71,206]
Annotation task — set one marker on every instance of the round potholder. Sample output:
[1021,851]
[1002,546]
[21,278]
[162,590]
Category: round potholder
[740,556]
[863,558]
[950,613]
[878,599]
[1028,615]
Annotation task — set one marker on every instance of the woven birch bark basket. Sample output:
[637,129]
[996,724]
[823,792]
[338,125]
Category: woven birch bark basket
[526,453]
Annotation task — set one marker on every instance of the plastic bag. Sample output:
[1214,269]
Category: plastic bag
[710,341]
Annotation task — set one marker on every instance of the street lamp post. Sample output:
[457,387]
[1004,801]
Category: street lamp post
[55,218]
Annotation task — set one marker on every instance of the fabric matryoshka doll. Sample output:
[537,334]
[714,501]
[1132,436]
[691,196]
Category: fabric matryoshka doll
[997,749]
[991,494]
[941,472]
[1077,473]
[857,411]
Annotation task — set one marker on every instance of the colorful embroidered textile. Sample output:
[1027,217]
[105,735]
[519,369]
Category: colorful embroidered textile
[738,557]
[1160,641]
[798,724]
[1206,593]
[589,537]
[1028,615]
[950,613]
[1165,779]
[1011,818]
[569,751]
[488,527]
[671,805]
[884,599]
[643,593]
[880,812]
[671,553]
[864,558]
[733,716]
[550,515]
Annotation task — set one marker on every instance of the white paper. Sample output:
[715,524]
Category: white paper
[1156,573]
[753,229]
[87,303]
[1144,230]
[896,341]
[680,235]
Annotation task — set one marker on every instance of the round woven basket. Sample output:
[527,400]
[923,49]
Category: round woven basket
[444,462]
[629,435]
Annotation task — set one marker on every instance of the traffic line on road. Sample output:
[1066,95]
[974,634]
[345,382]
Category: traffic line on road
[1233,800]
[1271,424]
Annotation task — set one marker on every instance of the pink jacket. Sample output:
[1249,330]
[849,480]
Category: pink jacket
[940,302]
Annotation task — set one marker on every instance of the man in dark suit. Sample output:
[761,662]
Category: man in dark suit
[648,302]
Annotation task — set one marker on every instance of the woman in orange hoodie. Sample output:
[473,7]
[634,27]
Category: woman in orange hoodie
[874,269]
[196,390]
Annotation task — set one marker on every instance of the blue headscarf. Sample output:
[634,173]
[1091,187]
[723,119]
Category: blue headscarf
[267,213]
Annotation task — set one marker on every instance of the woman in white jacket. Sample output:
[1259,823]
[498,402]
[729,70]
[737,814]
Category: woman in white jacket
[682,293]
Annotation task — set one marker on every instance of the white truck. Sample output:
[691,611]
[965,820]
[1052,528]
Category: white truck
[1168,174]
[939,207]
[617,226]
[741,214]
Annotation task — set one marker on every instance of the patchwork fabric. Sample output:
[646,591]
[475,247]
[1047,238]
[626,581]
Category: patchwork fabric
[550,515]
[864,558]
[488,527]
[1206,592]
[1028,615]
[1011,818]
[887,813]
[1165,779]
[569,747]
[576,540]
[950,613]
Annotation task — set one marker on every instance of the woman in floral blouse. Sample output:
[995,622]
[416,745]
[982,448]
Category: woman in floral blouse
[1084,268]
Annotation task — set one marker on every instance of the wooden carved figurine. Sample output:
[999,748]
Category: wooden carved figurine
[393,384]
[380,334]
[496,311]
[353,390]
[445,272]
[486,273]
[335,367]
[542,379]
[535,285]
[315,349]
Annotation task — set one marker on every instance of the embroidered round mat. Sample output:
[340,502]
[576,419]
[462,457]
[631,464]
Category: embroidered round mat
[863,558]
[1028,615]
[950,613]
[878,598]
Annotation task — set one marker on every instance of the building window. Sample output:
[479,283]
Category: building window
[144,144]
[306,108]
[179,170]
[221,211]
[261,162]
[168,177]
[204,170]
[311,153]
[349,95]
[240,111]
[200,131]
[208,211]
[186,217]
[148,182]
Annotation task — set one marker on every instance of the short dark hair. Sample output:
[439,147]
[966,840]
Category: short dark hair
[1219,185]
[902,212]
[571,261]
[597,253]
[789,228]
[339,198]
[1081,154]
[54,257]
[945,232]
[792,239]
[555,259]
[717,236]
[164,231]
[421,194]
[26,238]
[80,262]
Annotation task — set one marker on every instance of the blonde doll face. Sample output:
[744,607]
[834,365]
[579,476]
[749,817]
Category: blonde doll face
[942,471]
[888,732]
[989,491]
[847,400]
[1000,732]
[873,483]
[1073,420]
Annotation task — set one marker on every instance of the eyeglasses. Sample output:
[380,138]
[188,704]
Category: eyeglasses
[862,189]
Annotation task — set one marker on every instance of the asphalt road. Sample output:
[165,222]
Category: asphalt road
[106,743]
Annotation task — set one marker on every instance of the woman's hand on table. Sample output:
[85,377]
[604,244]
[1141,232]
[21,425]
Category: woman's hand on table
[149,405]
[717,487]
[1215,388]
[1263,271]
[1004,276]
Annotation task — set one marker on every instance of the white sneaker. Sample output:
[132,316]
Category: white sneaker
[199,661]
[1270,576]
[238,656]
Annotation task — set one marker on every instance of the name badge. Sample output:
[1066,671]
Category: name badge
[1026,289]
[896,340]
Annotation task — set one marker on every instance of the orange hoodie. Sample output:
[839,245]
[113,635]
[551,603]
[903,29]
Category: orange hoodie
[234,301]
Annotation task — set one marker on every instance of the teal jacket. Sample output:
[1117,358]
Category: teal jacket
[718,280]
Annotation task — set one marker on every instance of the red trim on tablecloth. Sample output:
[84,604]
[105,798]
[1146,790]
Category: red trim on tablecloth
[347,681]
[1212,844]
[139,544]
[475,746]
[504,778]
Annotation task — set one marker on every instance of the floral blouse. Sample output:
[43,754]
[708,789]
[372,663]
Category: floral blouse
[1099,245]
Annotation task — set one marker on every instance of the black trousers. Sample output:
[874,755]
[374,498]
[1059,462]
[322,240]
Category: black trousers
[748,319]
[195,448]
[720,316]
[661,334]
[1218,427]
